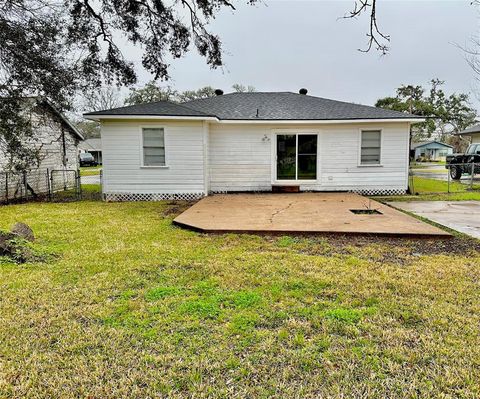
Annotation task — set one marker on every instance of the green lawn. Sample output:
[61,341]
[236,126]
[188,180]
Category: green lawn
[90,170]
[130,306]
[437,190]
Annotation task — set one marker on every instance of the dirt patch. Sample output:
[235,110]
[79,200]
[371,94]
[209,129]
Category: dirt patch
[175,208]
[396,250]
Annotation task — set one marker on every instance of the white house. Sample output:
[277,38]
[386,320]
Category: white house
[252,142]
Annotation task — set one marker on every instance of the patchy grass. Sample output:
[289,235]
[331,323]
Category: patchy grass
[132,306]
[437,190]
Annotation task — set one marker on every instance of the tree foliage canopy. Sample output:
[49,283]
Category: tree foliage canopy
[54,49]
[445,113]
[153,92]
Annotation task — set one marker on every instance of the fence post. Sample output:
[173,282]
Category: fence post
[51,186]
[448,180]
[472,176]
[78,184]
[49,192]
[25,185]
[411,181]
[102,196]
[6,187]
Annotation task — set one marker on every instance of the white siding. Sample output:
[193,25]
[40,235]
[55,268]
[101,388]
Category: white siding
[122,158]
[340,152]
[241,157]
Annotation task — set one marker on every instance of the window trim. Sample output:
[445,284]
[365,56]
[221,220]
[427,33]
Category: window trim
[296,132]
[142,158]
[367,165]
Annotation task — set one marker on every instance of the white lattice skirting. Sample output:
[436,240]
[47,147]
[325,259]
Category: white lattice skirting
[121,197]
[380,191]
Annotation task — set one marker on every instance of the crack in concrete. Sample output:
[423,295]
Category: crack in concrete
[280,211]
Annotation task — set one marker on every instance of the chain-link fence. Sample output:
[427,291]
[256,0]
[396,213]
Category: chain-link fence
[449,178]
[48,185]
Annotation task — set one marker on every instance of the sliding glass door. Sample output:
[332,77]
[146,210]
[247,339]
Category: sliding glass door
[296,157]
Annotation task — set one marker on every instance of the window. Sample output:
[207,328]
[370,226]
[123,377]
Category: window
[296,156]
[153,146]
[307,157]
[370,147]
[472,149]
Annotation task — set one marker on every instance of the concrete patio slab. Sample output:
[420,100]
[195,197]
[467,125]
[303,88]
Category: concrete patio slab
[300,213]
[463,216]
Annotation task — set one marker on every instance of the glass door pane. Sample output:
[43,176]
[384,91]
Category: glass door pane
[307,156]
[286,156]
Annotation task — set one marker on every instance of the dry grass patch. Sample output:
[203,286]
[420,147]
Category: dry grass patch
[135,307]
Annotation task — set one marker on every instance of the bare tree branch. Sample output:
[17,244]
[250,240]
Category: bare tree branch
[375,36]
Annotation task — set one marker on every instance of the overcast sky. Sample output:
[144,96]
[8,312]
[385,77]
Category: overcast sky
[285,45]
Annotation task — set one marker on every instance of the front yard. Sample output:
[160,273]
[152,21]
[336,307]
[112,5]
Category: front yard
[129,306]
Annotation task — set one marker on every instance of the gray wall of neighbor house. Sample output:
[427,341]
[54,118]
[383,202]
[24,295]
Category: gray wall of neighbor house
[56,144]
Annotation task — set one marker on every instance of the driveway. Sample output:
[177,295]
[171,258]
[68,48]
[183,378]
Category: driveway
[344,213]
[432,171]
[463,216]
[91,179]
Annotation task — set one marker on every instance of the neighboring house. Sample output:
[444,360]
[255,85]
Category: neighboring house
[55,137]
[472,132]
[94,147]
[252,142]
[431,151]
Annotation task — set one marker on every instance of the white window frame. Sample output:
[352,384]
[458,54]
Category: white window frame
[142,158]
[296,132]
[368,165]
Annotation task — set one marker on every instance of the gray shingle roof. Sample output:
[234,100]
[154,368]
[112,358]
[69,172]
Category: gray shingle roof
[91,144]
[164,108]
[424,143]
[261,106]
[470,130]
[288,106]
